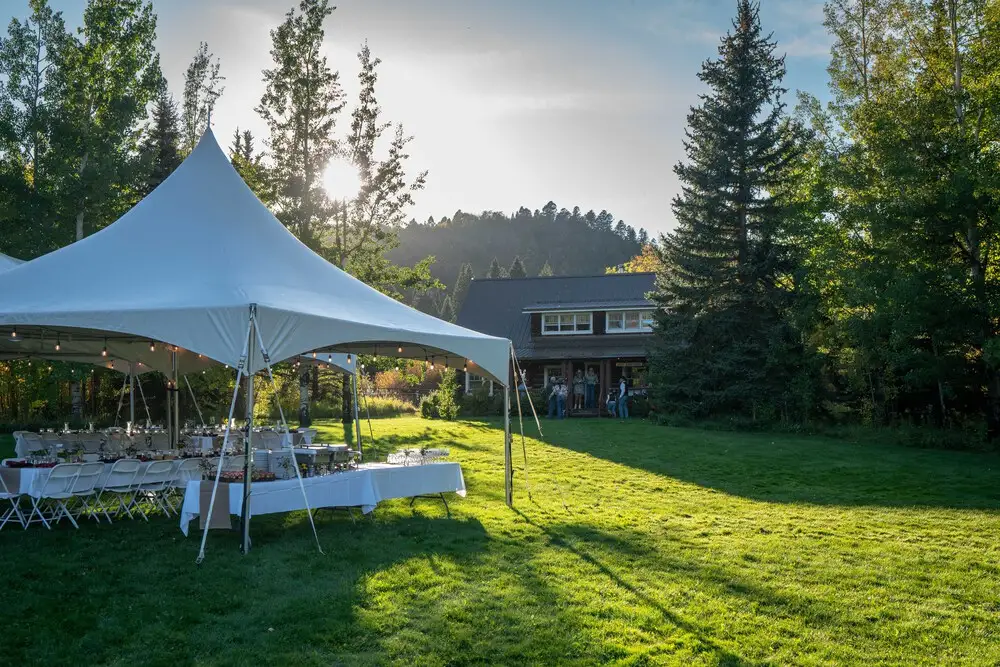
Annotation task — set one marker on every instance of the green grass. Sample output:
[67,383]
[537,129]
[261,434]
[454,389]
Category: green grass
[639,545]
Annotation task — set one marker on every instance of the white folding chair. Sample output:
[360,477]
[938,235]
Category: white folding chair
[31,442]
[85,489]
[13,513]
[121,484]
[52,497]
[153,484]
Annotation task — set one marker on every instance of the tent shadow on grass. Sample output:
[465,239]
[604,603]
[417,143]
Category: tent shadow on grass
[789,469]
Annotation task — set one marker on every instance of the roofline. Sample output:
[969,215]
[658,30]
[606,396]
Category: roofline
[593,275]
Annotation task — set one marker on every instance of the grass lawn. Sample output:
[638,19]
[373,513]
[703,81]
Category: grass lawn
[639,545]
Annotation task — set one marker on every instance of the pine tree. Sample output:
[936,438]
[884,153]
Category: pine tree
[724,344]
[546,270]
[517,268]
[465,276]
[447,312]
[161,145]
[250,165]
[496,271]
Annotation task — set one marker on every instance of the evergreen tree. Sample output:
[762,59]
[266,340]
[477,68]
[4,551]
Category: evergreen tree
[724,343]
[465,276]
[496,271]
[250,165]
[201,90]
[546,270]
[447,312]
[517,268]
[160,146]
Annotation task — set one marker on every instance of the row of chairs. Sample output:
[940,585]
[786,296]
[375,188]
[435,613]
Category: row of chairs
[72,489]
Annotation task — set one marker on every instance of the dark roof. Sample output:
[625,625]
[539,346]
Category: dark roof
[500,307]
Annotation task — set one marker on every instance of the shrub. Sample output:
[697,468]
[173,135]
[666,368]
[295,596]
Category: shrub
[386,406]
[442,403]
[480,404]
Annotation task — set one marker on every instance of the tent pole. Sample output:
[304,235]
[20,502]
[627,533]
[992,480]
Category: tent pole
[142,394]
[508,467]
[169,417]
[357,418]
[248,446]
[194,400]
[121,400]
[131,394]
[177,400]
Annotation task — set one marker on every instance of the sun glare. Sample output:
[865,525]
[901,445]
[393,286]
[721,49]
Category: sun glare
[341,180]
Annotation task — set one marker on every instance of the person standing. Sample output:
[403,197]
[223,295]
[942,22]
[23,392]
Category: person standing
[623,399]
[578,385]
[591,388]
[562,391]
[550,395]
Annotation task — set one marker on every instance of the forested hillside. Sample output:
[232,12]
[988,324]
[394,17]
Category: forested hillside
[570,242]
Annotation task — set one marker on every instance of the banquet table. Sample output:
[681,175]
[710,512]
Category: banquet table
[33,479]
[365,487]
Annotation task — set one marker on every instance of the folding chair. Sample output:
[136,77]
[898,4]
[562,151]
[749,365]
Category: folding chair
[14,512]
[153,484]
[159,441]
[120,484]
[85,489]
[32,442]
[52,497]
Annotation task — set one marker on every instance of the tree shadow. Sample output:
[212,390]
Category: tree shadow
[789,469]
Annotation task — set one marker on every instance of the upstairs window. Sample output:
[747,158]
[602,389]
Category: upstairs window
[629,321]
[554,324]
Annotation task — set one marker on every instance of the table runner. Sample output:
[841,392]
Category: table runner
[220,512]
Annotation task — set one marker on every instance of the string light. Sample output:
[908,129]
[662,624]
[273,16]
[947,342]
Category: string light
[57,344]
[13,332]
[50,368]
[465,368]
[104,352]
[399,349]
[329,358]
[152,346]
[314,354]
[348,358]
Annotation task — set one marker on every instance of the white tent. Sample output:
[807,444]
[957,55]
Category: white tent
[7,262]
[202,264]
[189,261]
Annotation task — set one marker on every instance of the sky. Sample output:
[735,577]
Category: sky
[511,103]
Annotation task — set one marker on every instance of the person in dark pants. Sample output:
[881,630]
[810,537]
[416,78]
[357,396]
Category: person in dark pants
[550,390]
[623,399]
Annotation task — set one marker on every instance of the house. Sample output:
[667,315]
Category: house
[561,324]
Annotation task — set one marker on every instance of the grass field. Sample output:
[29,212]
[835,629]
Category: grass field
[639,545]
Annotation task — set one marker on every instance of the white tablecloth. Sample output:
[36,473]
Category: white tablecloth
[364,488]
[33,479]
[202,443]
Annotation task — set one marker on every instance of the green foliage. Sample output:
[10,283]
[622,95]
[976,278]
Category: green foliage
[479,403]
[496,271]
[202,88]
[161,144]
[725,290]
[545,271]
[386,406]
[516,269]
[462,283]
[442,403]
[568,242]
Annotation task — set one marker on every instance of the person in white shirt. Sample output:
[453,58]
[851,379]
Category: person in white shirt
[623,399]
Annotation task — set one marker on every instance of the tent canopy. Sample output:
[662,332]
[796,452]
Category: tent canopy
[7,262]
[188,263]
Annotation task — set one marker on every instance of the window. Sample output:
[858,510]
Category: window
[629,321]
[566,323]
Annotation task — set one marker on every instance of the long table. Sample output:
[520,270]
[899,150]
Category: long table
[31,480]
[365,487]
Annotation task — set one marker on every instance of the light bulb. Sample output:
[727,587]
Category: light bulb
[152,346]
[399,349]
[58,346]
[465,368]
[314,354]
[13,332]
[348,358]
[329,358]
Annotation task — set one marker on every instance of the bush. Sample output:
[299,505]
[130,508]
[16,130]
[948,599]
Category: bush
[386,406]
[480,404]
[442,403]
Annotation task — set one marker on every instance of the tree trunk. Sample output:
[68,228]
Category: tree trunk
[346,401]
[304,419]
